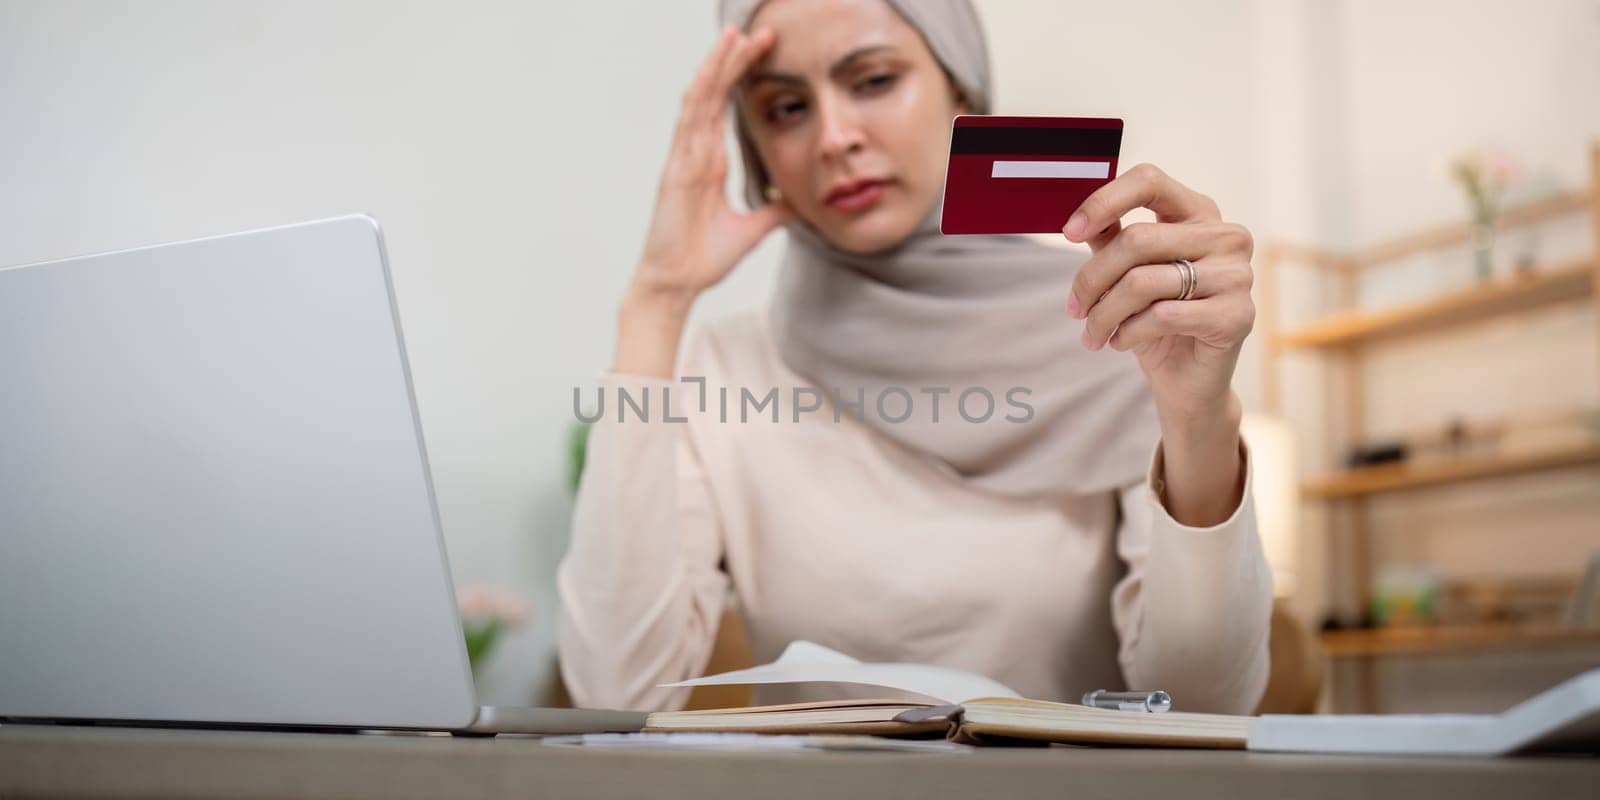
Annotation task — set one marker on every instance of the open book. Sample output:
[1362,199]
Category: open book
[1563,718]
[958,705]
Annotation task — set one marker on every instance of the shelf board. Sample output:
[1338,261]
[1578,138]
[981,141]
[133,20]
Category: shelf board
[1453,234]
[1406,475]
[1457,234]
[1425,640]
[1570,281]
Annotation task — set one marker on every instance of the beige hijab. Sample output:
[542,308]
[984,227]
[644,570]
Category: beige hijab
[962,313]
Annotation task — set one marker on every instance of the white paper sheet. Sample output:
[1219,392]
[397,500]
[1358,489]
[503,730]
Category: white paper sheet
[809,662]
[1566,717]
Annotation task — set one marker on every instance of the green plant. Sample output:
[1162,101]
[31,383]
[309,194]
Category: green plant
[481,638]
[1483,176]
[487,613]
[577,449]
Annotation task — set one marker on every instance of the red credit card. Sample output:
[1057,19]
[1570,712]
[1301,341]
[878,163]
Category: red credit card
[1025,174]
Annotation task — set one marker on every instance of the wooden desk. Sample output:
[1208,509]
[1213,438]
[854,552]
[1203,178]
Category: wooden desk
[110,762]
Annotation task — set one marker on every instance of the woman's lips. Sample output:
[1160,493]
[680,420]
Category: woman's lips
[857,197]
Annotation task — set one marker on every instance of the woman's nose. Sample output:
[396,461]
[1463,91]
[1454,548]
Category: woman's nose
[840,133]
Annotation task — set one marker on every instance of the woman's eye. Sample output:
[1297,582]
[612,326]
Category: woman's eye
[785,110]
[878,82]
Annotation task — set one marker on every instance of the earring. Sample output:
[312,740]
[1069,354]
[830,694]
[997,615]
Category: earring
[772,194]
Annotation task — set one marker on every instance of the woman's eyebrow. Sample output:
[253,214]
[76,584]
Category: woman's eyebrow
[838,67]
[854,55]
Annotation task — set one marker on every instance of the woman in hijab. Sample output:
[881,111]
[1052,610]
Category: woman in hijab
[982,452]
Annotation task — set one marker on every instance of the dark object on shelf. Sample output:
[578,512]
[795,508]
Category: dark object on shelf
[1333,622]
[1456,434]
[1379,453]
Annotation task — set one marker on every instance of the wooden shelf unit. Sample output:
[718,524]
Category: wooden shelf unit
[1429,640]
[1566,283]
[1412,475]
[1344,338]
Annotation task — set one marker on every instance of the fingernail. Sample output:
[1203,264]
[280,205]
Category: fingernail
[1075,225]
[1086,340]
[1072,305]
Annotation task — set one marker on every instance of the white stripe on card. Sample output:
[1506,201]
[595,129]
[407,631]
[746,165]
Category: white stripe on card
[1051,169]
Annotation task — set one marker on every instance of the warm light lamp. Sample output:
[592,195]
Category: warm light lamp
[1276,488]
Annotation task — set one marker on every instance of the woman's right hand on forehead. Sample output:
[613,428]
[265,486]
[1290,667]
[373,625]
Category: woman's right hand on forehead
[695,237]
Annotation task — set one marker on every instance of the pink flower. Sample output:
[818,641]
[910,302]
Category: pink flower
[478,602]
[1500,168]
[1484,175]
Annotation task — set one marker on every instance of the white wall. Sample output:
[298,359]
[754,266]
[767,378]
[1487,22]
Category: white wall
[1179,74]
[510,150]
[1426,78]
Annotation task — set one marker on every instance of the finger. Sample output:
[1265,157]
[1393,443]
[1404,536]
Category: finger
[705,121]
[698,141]
[1148,284]
[1095,244]
[1144,186]
[1139,288]
[716,97]
[694,97]
[764,219]
[747,51]
[1104,237]
[1154,243]
[1221,321]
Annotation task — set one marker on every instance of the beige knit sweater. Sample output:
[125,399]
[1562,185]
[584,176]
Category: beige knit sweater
[830,532]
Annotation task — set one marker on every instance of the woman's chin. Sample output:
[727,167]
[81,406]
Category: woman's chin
[870,232]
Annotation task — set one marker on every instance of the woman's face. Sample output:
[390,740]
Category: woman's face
[850,113]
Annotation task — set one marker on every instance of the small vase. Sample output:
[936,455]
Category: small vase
[1483,248]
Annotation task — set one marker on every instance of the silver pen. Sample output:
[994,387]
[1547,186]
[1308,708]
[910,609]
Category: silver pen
[1153,702]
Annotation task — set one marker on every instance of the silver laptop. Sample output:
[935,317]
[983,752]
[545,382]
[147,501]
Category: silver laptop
[215,506]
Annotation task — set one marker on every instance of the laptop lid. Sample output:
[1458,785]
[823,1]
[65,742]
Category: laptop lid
[214,496]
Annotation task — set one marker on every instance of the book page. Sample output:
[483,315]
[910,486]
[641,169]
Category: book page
[808,662]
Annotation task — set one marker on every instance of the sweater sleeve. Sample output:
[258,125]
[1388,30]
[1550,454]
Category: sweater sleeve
[640,586]
[1193,609]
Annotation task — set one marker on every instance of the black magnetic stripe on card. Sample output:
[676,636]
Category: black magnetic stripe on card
[977,141]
